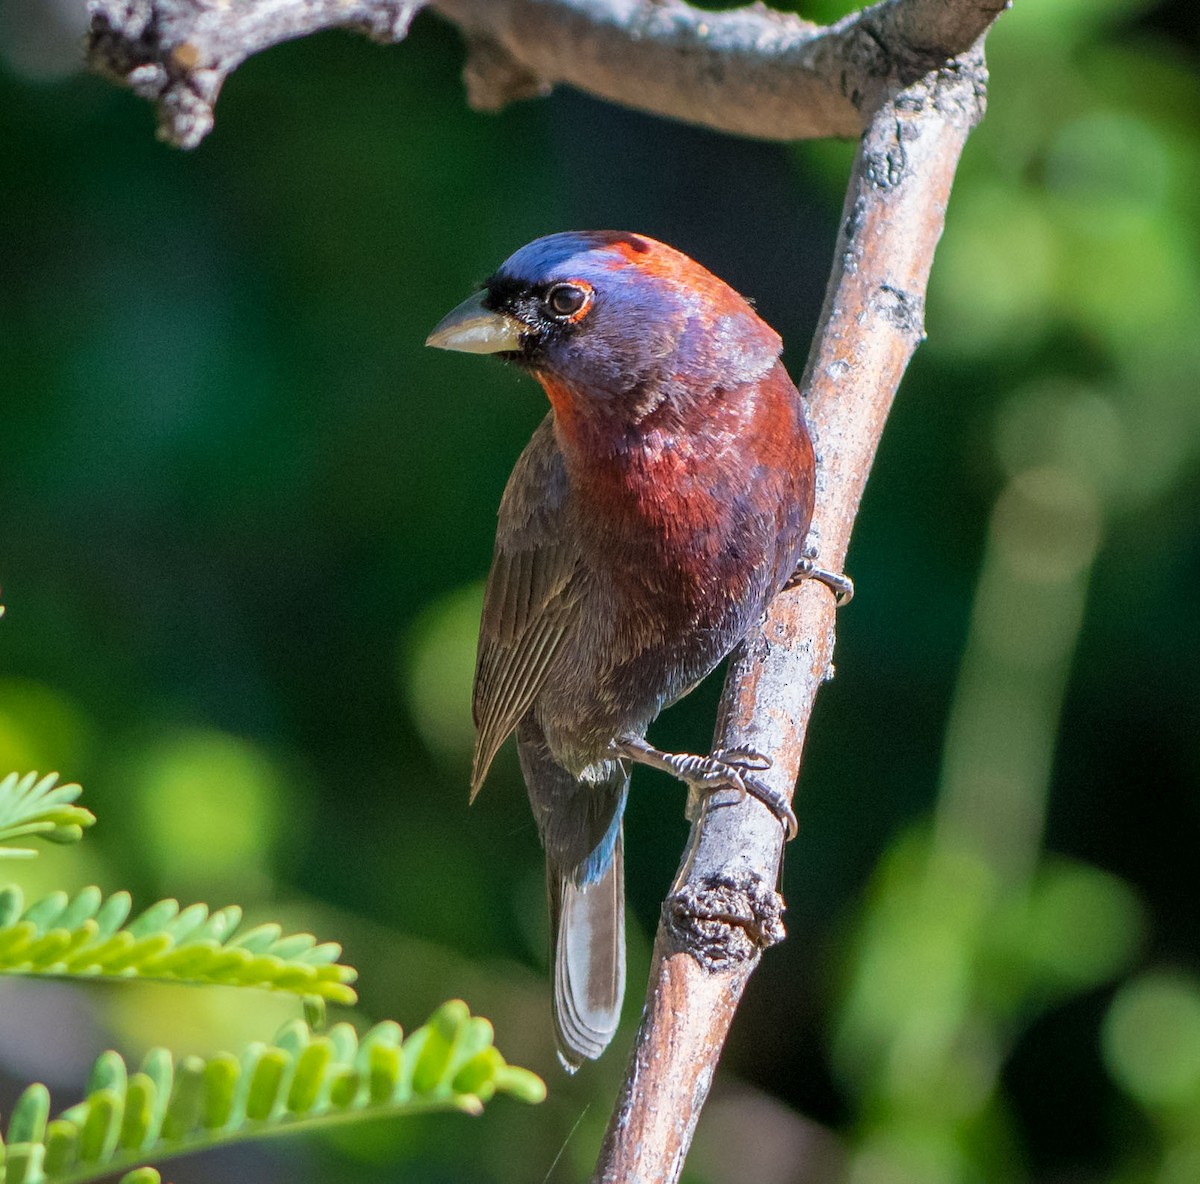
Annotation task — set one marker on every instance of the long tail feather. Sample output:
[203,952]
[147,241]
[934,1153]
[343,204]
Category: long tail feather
[588,928]
[579,820]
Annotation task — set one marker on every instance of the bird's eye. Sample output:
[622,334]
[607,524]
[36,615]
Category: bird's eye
[566,300]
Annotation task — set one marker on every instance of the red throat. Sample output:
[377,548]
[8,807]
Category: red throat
[567,419]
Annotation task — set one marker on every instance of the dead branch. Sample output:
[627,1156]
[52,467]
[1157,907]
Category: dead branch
[178,53]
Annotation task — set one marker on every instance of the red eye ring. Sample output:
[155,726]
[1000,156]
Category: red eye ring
[568,302]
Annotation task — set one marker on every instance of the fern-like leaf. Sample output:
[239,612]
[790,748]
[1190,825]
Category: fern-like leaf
[303,1081]
[90,937]
[33,806]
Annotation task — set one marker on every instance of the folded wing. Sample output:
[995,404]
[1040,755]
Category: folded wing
[531,602]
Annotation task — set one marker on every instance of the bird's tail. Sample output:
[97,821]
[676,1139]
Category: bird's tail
[587,926]
[580,824]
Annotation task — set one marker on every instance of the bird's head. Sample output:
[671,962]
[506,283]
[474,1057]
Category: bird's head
[611,315]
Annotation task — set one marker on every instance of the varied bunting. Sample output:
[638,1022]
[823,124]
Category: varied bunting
[652,517]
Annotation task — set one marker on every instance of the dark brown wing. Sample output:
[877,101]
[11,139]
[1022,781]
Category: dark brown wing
[531,602]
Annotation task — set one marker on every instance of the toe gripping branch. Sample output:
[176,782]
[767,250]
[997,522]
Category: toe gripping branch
[727,768]
[735,768]
[841,585]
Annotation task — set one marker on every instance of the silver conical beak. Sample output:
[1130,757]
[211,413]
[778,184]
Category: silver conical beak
[473,329]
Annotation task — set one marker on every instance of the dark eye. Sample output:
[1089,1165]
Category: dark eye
[565,300]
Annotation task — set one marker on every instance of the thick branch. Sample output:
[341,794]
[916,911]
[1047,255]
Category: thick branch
[751,71]
[871,324]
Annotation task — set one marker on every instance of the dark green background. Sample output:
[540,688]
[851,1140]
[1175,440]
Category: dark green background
[244,515]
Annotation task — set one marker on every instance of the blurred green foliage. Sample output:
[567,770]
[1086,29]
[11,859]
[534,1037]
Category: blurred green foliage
[245,517]
[310,1078]
[304,1081]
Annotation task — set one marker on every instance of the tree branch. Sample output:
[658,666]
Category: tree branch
[723,910]
[178,53]
[750,71]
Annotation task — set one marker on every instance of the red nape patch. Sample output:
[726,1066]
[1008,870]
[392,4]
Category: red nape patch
[661,261]
[640,251]
[609,238]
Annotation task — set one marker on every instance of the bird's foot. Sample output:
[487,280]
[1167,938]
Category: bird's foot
[842,586]
[727,768]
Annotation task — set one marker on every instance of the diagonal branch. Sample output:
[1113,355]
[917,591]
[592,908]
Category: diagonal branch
[750,71]
[723,909]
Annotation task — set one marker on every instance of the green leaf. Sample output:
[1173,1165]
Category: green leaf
[11,904]
[519,1083]
[303,1081]
[1152,1041]
[91,937]
[141,1176]
[28,1121]
[383,1072]
[62,1147]
[33,806]
[102,1127]
[24,1163]
[139,1125]
[310,1077]
[159,1069]
[266,1086]
[220,1081]
[186,1103]
[108,1073]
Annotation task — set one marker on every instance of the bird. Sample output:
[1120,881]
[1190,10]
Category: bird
[659,507]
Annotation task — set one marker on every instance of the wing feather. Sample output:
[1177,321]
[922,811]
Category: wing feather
[532,599]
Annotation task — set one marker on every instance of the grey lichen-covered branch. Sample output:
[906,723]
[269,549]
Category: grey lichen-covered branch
[751,71]
[178,53]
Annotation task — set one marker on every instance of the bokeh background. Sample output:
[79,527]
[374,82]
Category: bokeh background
[245,517]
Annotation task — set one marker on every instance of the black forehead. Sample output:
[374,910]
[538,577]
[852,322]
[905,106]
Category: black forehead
[505,290]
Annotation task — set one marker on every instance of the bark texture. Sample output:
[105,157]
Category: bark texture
[751,71]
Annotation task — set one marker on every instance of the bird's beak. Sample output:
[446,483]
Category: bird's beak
[473,329]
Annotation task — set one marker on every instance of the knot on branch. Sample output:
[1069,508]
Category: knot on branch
[866,65]
[387,21]
[954,85]
[123,37]
[157,49]
[178,53]
[724,920]
[904,310]
[494,78]
[961,84]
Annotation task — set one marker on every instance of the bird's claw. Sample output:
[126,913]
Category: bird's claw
[734,768]
[775,802]
[727,768]
[841,585]
[744,758]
